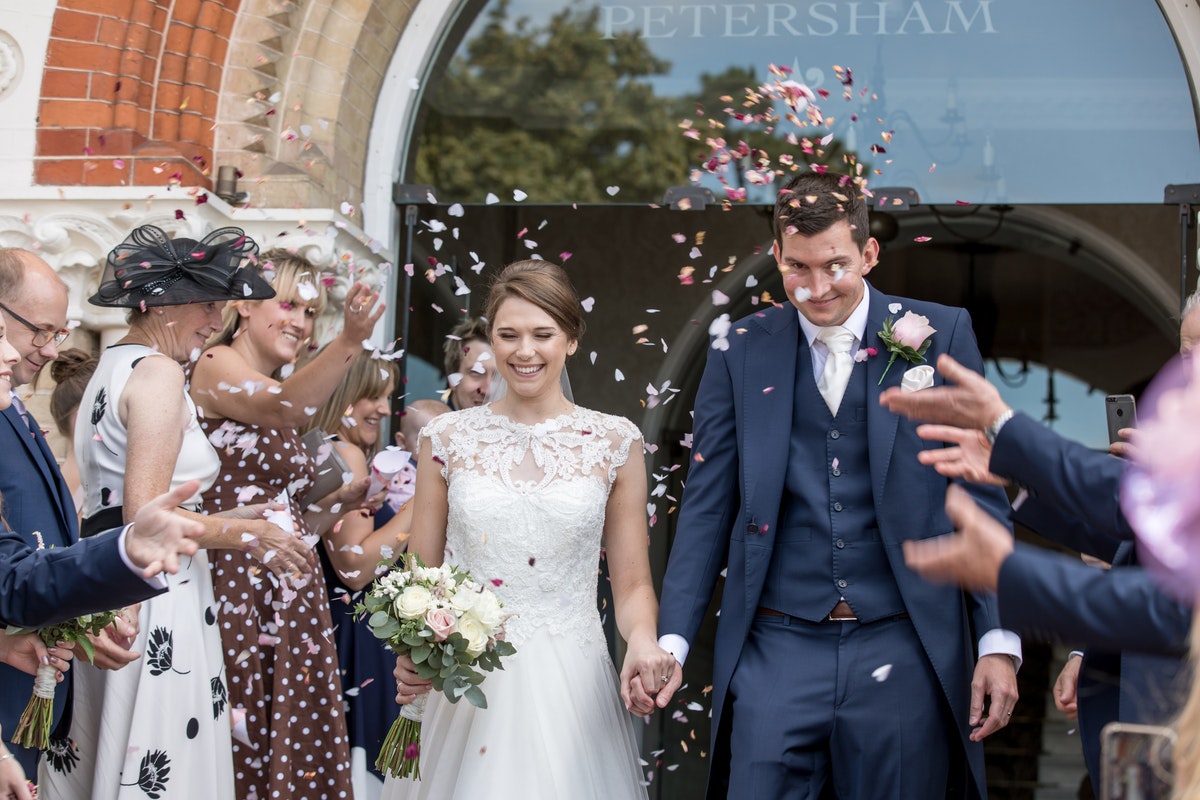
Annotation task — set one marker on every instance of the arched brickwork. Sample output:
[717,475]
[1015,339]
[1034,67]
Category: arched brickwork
[301,86]
[130,91]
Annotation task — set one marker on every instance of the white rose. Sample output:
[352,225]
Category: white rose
[412,602]
[487,609]
[475,633]
[463,600]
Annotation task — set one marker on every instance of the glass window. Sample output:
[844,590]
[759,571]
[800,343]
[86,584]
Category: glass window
[1016,101]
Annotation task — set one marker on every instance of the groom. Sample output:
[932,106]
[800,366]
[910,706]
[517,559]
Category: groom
[838,672]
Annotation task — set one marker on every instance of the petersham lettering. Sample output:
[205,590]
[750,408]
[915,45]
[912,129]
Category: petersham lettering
[822,18]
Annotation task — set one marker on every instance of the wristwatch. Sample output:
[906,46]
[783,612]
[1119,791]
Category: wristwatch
[993,430]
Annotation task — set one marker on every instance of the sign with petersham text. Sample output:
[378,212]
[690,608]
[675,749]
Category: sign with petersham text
[774,20]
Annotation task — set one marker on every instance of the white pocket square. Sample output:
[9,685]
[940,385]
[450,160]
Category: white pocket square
[917,378]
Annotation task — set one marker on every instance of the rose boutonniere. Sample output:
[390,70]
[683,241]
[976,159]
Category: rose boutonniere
[909,337]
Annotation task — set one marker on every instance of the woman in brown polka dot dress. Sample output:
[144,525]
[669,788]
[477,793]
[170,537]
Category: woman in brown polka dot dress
[290,731]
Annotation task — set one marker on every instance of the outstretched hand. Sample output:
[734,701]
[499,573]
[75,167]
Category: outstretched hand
[159,536]
[971,402]
[968,459]
[971,556]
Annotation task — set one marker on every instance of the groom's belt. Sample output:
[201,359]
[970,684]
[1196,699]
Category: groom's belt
[842,612]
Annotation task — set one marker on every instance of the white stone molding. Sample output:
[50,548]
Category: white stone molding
[76,243]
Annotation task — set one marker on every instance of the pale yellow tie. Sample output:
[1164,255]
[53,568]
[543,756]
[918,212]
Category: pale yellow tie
[838,365]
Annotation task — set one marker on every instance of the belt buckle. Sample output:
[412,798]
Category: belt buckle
[844,617]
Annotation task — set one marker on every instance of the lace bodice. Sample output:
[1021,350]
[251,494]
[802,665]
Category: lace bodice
[526,509]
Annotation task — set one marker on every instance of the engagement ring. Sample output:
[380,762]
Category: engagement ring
[666,678]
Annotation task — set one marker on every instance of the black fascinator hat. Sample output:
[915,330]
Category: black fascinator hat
[151,269]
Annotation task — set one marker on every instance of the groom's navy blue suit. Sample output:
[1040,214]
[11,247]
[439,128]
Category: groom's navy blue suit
[1135,636]
[804,507]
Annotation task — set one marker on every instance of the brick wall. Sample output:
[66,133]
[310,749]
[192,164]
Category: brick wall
[130,91]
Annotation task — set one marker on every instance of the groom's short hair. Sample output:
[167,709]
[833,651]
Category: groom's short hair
[813,202]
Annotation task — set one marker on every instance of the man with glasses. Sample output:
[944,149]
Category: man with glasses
[33,301]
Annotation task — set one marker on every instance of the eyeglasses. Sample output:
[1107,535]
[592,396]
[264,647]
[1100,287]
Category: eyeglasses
[41,336]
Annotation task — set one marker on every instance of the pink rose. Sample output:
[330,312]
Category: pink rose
[442,622]
[912,330]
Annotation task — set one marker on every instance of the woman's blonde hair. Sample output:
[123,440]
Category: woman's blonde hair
[368,377]
[285,271]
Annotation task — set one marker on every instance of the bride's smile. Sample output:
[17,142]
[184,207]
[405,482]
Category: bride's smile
[531,350]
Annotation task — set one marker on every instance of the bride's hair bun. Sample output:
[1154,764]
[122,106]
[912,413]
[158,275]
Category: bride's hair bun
[546,285]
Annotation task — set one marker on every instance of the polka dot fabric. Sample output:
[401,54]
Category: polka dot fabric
[280,656]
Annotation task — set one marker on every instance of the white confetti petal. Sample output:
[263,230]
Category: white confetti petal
[612,190]
[618,375]
[518,195]
[491,199]
[881,674]
[588,304]
[801,294]
[456,210]
[894,308]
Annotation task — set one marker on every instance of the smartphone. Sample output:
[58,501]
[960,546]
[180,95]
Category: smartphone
[1121,412]
[1135,761]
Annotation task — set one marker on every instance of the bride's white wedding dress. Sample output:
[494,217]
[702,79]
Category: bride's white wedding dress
[526,513]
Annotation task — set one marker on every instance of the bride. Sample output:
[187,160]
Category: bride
[524,492]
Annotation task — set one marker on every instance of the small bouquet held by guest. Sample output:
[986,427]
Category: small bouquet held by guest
[452,628]
[36,722]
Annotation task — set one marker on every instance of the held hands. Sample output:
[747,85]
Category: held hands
[996,679]
[159,536]
[26,652]
[361,311]
[409,685]
[643,687]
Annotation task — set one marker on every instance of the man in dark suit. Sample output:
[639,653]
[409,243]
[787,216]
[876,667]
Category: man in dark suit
[110,570]
[1135,636]
[33,302]
[838,672]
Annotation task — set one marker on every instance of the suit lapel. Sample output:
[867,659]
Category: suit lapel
[881,423]
[768,392]
[40,454]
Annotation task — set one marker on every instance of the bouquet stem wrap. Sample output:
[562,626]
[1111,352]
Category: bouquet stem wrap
[401,751]
[34,728]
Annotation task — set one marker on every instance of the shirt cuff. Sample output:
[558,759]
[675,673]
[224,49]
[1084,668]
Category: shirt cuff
[158,581]
[676,645]
[1000,641]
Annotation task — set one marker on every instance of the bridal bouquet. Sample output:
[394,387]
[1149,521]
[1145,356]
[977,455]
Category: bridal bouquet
[33,730]
[451,627]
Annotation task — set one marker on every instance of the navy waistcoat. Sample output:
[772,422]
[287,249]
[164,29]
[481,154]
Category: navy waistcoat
[827,545]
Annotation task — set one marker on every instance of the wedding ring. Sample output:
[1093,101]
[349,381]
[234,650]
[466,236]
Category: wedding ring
[666,678]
